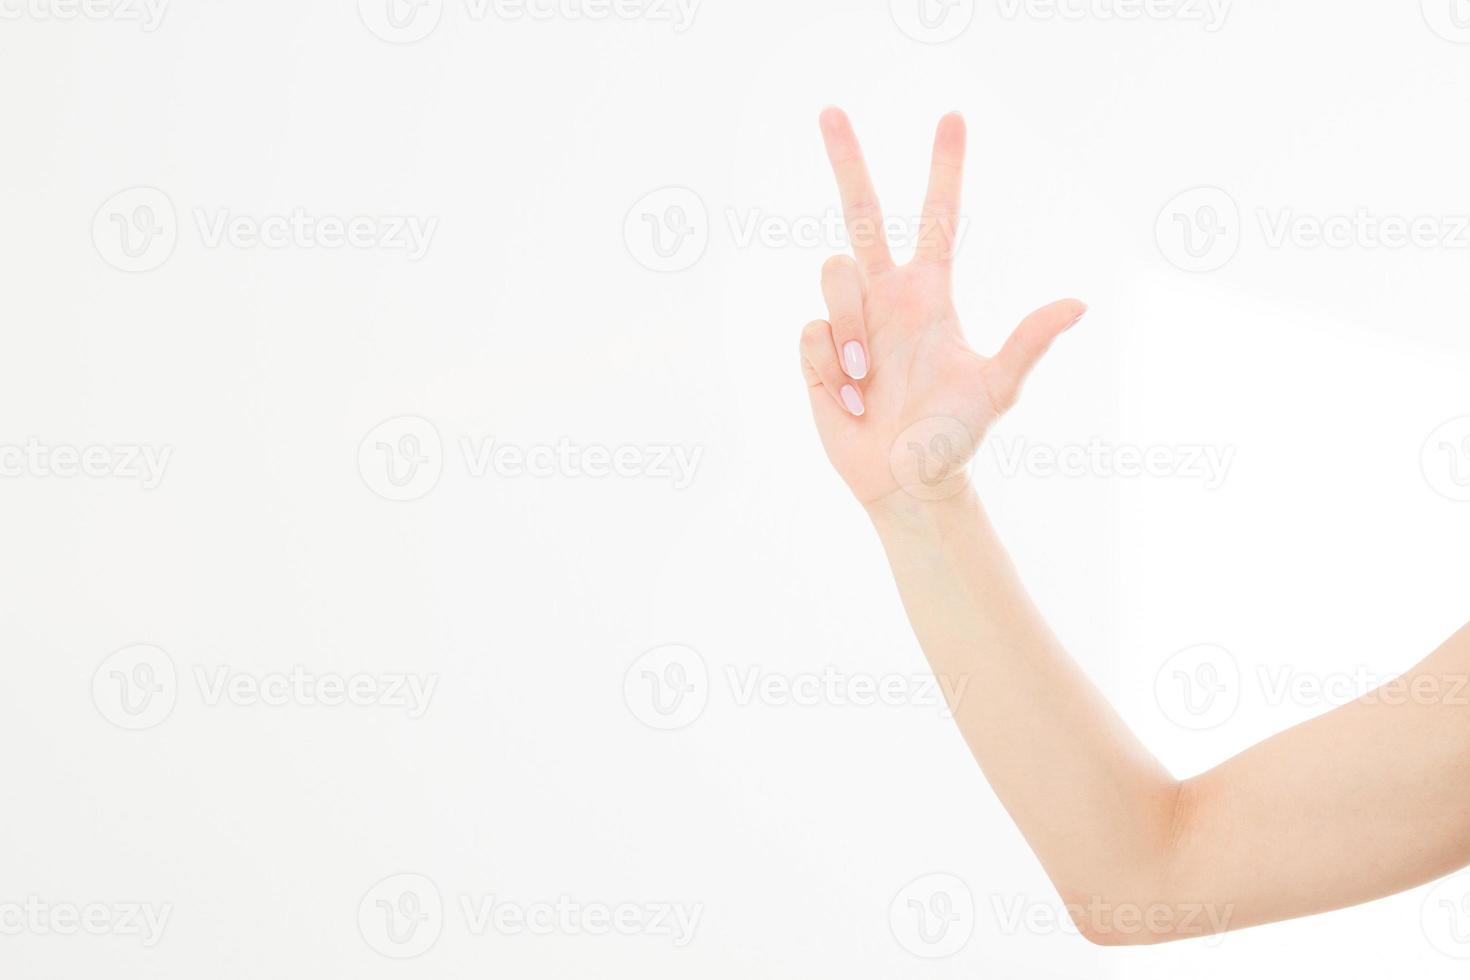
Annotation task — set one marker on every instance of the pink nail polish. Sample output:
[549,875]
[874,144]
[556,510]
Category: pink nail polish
[854,360]
[852,400]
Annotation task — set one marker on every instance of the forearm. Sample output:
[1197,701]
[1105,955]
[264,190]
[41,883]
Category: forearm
[1095,806]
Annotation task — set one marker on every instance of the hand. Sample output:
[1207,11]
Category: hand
[900,399]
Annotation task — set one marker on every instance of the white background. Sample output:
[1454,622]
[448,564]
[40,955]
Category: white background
[1333,546]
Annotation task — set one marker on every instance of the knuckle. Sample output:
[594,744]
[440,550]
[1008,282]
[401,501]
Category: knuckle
[837,264]
[813,334]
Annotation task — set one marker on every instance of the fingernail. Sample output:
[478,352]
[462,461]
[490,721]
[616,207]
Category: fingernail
[851,400]
[854,361]
[1076,318]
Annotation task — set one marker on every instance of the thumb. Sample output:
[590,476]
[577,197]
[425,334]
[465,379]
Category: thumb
[1027,343]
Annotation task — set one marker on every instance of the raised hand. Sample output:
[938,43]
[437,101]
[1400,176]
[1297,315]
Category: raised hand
[900,399]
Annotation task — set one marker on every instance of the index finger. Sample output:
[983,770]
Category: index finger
[859,201]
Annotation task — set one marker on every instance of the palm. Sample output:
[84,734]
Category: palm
[927,398]
[924,373]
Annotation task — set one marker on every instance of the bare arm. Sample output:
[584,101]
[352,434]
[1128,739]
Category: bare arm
[1359,803]
[1362,802]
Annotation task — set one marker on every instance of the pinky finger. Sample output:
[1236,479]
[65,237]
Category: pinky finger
[820,366]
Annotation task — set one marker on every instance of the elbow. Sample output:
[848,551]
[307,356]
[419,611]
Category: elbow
[1160,899]
[1100,934]
[1115,939]
[1146,922]
[1103,922]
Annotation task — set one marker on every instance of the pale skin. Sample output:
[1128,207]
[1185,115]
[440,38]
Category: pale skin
[1357,804]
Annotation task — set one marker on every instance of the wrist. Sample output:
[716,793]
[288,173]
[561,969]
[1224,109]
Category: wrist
[903,512]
